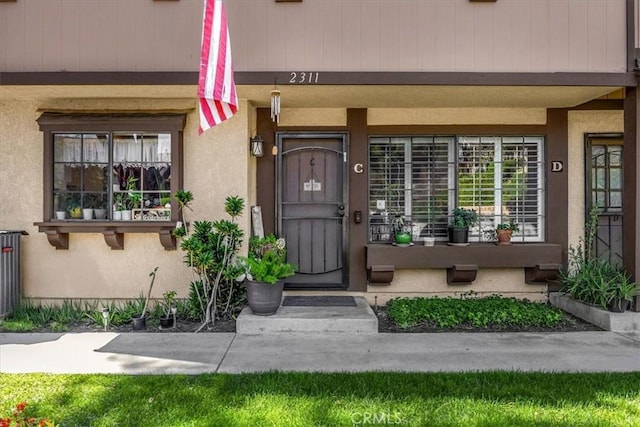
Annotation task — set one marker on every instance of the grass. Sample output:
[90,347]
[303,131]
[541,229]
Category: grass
[308,399]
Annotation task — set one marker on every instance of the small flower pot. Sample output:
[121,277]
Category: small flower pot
[139,323]
[403,238]
[503,237]
[87,213]
[166,322]
[61,215]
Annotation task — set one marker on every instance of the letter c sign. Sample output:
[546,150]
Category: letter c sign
[358,168]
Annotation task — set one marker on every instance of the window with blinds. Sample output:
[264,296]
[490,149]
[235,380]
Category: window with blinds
[424,177]
[409,176]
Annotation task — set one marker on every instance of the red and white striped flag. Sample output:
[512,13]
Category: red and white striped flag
[216,88]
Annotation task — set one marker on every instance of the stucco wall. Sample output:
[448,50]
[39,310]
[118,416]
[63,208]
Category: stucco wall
[216,165]
[508,282]
[581,123]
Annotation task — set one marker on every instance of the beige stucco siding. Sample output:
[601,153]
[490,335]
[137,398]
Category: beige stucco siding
[580,124]
[508,282]
[216,165]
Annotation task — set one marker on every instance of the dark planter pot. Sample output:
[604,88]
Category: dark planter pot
[618,305]
[264,298]
[458,234]
[139,323]
[166,322]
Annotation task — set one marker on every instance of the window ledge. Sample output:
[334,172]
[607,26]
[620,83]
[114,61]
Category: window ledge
[541,261]
[113,231]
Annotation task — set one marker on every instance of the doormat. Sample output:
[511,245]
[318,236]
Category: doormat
[319,301]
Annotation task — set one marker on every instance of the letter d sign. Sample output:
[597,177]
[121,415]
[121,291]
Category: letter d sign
[557,166]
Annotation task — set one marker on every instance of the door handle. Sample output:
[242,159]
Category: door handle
[341,210]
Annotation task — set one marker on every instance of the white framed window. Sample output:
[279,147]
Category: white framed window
[424,177]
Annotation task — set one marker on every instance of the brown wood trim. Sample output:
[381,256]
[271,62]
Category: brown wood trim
[462,274]
[114,239]
[358,197]
[266,171]
[601,104]
[57,239]
[325,78]
[557,183]
[457,130]
[481,254]
[631,35]
[631,190]
[58,231]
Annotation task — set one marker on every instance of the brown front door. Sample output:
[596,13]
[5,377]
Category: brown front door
[311,204]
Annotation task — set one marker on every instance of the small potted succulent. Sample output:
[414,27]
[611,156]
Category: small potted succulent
[401,230]
[459,226]
[504,231]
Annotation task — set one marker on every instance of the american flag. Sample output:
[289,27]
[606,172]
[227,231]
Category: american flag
[216,88]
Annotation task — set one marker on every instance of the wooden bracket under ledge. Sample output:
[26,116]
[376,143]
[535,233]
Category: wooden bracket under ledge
[57,232]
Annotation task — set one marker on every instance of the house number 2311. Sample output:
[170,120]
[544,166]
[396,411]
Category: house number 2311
[302,77]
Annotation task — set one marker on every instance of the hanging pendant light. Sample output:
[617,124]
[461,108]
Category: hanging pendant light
[275,105]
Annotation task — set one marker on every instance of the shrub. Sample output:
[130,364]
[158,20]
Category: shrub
[494,311]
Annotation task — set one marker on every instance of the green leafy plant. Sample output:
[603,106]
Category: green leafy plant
[489,312]
[184,198]
[510,225]
[592,280]
[463,217]
[271,267]
[210,250]
[168,301]
[132,197]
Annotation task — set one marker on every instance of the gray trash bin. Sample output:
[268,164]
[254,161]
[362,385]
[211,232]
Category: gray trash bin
[9,270]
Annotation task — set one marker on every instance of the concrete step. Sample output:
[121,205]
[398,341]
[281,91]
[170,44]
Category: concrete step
[342,320]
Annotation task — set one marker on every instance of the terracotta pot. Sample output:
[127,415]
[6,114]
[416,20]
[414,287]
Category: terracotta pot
[264,298]
[503,237]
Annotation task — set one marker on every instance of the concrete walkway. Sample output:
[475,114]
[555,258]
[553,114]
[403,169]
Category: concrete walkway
[188,353]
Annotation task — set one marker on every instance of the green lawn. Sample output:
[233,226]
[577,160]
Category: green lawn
[304,399]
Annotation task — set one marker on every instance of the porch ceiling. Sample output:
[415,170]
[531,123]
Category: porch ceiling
[330,96]
[374,96]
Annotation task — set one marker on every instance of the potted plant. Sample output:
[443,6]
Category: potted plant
[131,198]
[459,226]
[61,206]
[265,270]
[401,230]
[168,305]
[504,231]
[118,206]
[140,322]
[73,206]
[622,292]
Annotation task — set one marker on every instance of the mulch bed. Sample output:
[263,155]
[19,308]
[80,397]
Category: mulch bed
[568,324]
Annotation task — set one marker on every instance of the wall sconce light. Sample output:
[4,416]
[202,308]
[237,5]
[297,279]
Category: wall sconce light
[256,144]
